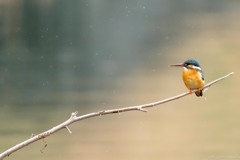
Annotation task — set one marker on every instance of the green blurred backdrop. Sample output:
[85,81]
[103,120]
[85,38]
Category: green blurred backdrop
[60,56]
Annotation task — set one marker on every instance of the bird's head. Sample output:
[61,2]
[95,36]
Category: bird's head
[189,64]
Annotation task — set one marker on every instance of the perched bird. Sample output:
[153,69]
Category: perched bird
[192,75]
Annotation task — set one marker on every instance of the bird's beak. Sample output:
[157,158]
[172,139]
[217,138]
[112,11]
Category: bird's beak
[177,65]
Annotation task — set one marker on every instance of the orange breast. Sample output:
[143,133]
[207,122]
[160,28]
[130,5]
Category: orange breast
[192,79]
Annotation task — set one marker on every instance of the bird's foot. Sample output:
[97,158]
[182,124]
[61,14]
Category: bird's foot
[190,91]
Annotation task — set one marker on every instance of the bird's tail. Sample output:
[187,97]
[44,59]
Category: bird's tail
[199,93]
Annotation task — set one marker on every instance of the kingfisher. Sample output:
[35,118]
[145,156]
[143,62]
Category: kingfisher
[192,75]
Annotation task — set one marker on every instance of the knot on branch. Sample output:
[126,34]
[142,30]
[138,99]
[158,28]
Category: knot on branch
[141,109]
[74,115]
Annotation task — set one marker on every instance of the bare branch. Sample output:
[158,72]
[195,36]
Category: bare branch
[73,118]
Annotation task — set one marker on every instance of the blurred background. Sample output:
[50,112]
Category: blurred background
[57,57]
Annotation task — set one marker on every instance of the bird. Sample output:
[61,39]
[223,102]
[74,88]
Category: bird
[192,75]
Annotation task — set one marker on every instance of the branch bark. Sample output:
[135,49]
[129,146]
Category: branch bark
[74,118]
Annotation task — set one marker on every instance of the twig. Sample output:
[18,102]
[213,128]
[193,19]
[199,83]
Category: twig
[73,118]
[68,129]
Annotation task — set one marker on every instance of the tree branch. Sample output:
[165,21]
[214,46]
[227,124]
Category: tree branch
[73,118]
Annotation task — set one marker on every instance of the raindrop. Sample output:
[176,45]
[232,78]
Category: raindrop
[167,38]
